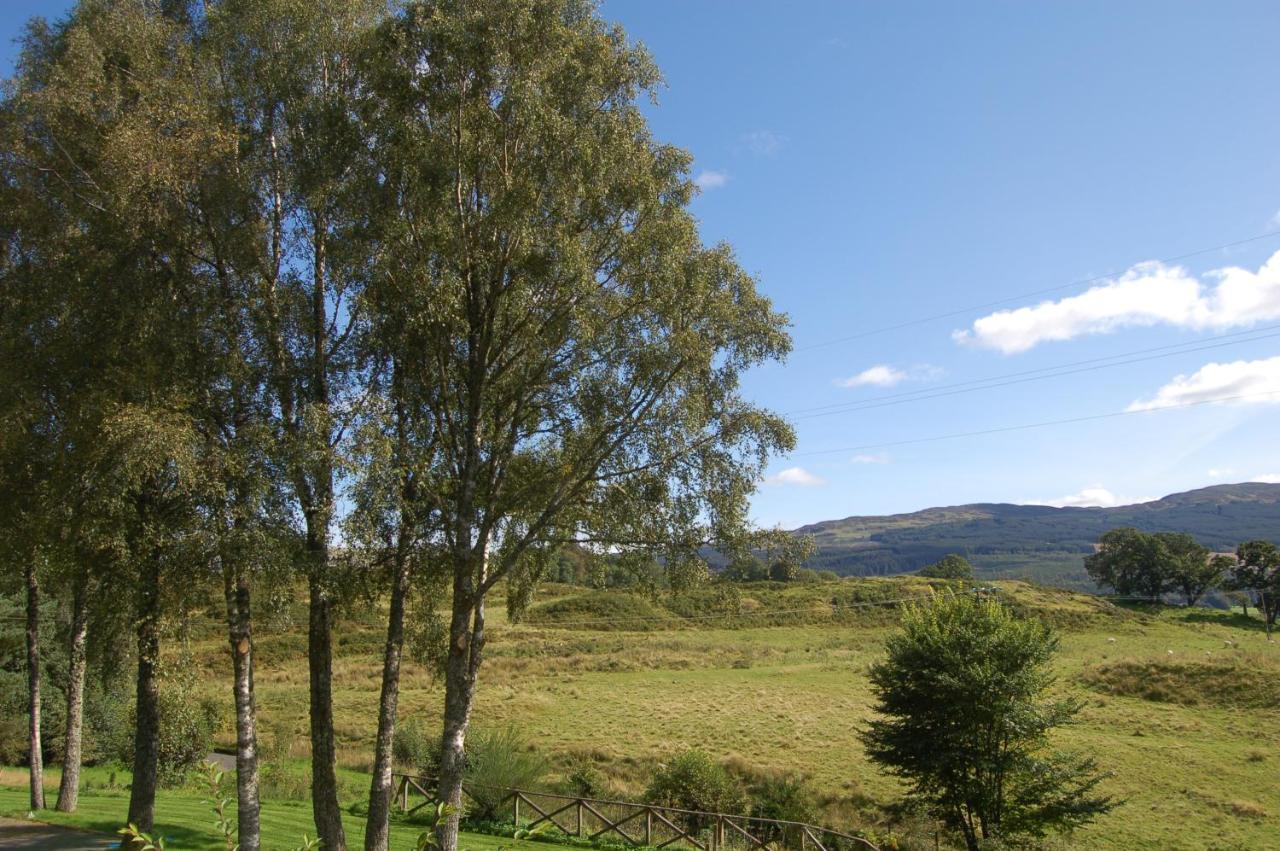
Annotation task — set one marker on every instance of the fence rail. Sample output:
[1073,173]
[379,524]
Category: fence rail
[639,825]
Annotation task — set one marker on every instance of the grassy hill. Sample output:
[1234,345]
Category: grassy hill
[771,678]
[1038,542]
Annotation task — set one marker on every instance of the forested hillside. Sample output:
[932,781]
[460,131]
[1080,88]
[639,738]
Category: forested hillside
[1038,541]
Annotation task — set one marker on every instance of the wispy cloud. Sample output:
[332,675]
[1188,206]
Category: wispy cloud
[797,477]
[878,458]
[763,143]
[1266,478]
[711,179]
[1094,496]
[1221,472]
[1256,380]
[884,375]
[1149,294]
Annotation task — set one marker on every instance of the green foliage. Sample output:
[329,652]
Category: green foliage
[784,797]
[1257,572]
[1136,563]
[220,802]
[950,566]
[141,841]
[602,609]
[692,781]
[417,747]
[963,721]
[496,760]
[187,726]
[434,815]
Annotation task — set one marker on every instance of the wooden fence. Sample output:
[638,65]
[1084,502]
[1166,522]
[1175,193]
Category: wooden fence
[640,825]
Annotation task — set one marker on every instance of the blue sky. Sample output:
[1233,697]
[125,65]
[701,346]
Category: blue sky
[878,163]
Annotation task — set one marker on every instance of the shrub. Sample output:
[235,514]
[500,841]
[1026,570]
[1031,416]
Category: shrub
[583,778]
[784,798]
[186,735]
[497,760]
[416,748]
[692,781]
[949,567]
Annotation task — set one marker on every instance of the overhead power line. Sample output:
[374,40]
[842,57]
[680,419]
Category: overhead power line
[1043,424]
[1041,373]
[1030,294]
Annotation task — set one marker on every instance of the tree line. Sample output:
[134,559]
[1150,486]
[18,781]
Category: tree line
[1152,565]
[392,300]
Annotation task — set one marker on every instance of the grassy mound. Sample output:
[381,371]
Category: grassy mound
[600,610]
[1242,682]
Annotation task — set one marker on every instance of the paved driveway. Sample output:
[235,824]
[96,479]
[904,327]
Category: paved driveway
[47,837]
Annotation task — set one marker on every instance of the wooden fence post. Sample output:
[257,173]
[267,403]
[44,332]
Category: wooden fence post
[579,818]
[648,826]
[515,803]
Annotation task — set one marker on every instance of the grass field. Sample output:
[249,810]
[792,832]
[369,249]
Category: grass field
[1185,723]
[185,821]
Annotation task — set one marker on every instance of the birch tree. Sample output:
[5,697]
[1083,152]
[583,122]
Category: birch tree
[576,348]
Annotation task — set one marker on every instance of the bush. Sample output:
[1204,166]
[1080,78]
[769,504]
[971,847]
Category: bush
[692,781]
[186,735]
[583,778]
[416,748]
[498,760]
[784,798]
[949,567]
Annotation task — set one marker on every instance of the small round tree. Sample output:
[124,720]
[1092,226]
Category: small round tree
[964,721]
[950,566]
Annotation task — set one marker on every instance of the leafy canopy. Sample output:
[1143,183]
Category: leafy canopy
[964,721]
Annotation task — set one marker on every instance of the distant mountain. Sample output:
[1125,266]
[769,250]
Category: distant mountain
[1038,542]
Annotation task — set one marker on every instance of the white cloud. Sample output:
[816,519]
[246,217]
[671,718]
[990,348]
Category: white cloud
[763,143]
[1148,294]
[881,375]
[1266,478]
[884,375]
[878,458]
[1257,379]
[798,476]
[1221,472]
[710,179]
[1094,496]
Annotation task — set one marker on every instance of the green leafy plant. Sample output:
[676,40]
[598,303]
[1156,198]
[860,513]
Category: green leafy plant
[436,815]
[964,720]
[140,841]
[218,799]
[497,760]
[692,781]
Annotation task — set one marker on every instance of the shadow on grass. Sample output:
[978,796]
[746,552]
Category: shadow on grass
[175,836]
[1235,619]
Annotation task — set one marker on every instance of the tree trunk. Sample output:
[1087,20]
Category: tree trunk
[146,740]
[69,788]
[240,634]
[466,646]
[324,779]
[33,684]
[377,828]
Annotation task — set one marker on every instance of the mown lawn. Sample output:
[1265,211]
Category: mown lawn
[186,822]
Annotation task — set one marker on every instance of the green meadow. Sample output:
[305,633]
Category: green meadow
[1179,706]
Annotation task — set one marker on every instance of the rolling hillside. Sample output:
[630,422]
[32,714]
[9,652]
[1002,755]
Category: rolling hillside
[1036,541]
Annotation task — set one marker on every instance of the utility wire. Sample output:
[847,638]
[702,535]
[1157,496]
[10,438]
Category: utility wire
[935,317]
[1033,425]
[1032,375]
